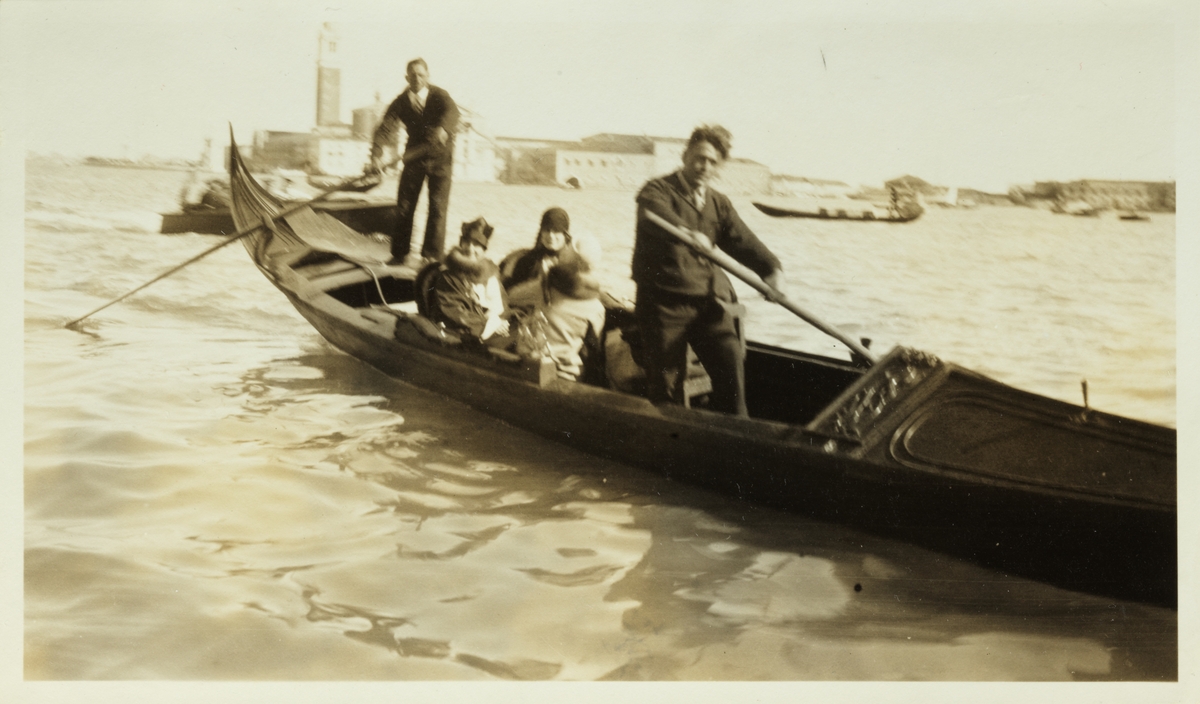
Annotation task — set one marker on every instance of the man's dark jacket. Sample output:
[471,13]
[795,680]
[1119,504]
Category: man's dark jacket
[663,263]
[440,111]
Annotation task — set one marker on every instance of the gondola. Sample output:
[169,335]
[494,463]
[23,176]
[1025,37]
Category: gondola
[909,446]
[869,215]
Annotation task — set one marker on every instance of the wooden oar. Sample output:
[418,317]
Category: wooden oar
[249,231]
[731,265]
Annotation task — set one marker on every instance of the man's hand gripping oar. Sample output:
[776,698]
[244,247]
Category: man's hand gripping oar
[769,290]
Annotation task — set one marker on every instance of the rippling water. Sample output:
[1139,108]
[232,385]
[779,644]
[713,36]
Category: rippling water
[212,492]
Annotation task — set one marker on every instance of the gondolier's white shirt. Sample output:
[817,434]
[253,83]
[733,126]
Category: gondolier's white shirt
[418,99]
[696,195]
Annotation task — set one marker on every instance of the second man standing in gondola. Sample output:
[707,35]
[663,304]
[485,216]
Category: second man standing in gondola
[430,118]
[682,297]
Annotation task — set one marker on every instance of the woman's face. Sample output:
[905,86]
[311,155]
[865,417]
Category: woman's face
[473,251]
[553,240]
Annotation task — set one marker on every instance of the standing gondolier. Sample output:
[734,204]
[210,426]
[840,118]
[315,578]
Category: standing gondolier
[430,118]
[682,297]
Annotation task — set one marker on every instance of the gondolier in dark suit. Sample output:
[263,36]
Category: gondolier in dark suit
[683,297]
[430,118]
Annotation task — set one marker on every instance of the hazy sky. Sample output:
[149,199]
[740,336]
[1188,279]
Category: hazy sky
[985,97]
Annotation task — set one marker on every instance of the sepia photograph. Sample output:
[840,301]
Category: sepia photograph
[722,350]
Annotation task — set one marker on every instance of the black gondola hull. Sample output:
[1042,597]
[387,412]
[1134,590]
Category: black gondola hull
[913,448]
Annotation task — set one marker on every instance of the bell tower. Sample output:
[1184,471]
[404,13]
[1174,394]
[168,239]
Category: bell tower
[329,78]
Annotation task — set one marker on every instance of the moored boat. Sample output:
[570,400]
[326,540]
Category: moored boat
[325,181]
[363,216]
[909,446]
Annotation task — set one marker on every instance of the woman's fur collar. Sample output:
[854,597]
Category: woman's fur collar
[476,270]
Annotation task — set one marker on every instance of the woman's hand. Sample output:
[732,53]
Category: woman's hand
[494,326]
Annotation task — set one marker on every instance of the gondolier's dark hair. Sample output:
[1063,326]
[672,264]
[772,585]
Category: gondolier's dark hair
[414,62]
[715,135]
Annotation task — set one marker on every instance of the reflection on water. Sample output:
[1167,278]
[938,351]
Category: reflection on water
[212,492]
[360,514]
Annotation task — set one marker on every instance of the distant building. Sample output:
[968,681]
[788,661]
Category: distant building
[529,161]
[1121,195]
[616,161]
[785,185]
[743,177]
[917,185]
[1098,194]
[610,161]
[1046,190]
[365,119]
[475,156]
[970,195]
[334,151]
[273,149]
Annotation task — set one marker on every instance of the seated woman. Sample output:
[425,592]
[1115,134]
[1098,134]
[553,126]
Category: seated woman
[523,270]
[466,293]
[566,315]
[524,264]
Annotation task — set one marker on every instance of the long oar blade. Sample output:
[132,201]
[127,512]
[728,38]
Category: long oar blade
[234,238]
[734,267]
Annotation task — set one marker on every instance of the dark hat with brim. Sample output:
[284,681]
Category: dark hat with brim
[477,231]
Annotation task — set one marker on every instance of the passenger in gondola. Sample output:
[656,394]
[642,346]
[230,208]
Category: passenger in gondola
[567,319]
[466,294]
[523,271]
[552,243]
[553,240]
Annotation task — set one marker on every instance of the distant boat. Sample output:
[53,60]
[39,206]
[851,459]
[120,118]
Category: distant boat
[362,216]
[324,182]
[122,163]
[902,215]
[1131,215]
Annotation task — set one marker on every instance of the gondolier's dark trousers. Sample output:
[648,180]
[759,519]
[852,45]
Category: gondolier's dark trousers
[411,177]
[668,323]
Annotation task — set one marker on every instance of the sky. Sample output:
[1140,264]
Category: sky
[999,94]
